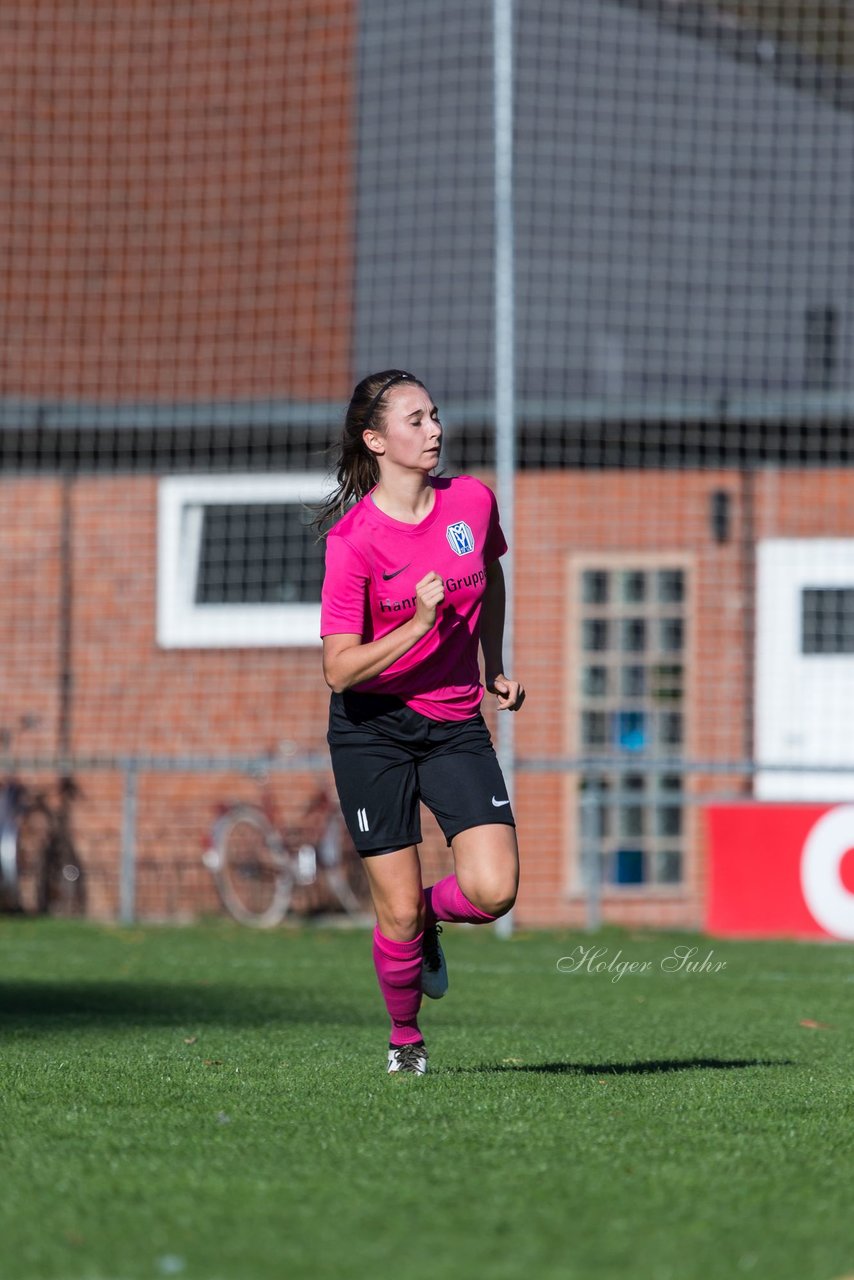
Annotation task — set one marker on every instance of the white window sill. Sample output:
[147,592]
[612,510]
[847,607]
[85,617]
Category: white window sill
[184,624]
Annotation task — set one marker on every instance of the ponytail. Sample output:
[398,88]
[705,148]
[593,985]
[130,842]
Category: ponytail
[357,468]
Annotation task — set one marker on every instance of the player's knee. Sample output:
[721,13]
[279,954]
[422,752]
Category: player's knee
[497,897]
[402,921]
[502,903]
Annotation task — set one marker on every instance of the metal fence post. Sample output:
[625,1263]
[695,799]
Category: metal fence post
[127,869]
[505,354]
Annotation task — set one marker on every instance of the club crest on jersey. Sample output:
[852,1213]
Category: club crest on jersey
[461,538]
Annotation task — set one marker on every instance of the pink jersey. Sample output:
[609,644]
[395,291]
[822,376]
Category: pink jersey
[372,566]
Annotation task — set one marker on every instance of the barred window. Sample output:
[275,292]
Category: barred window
[258,553]
[632,639]
[827,620]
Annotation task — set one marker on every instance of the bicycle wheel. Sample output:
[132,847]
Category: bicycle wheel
[341,868]
[9,886]
[251,868]
[348,886]
[12,810]
[357,882]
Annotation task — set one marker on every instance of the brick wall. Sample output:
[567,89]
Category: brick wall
[178,209]
[130,697]
[564,515]
[30,538]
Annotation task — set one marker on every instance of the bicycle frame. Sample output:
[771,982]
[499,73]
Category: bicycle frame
[58,873]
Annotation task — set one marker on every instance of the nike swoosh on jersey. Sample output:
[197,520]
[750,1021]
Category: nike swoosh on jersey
[388,576]
[499,803]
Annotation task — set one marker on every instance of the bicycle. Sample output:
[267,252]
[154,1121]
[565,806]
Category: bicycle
[263,870]
[40,869]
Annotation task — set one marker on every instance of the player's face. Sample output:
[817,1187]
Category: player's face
[412,433]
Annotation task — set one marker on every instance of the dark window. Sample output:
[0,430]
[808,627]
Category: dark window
[258,553]
[827,620]
[670,726]
[822,341]
[668,866]
[594,729]
[633,682]
[594,635]
[634,586]
[628,866]
[666,683]
[595,681]
[629,730]
[671,586]
[595,587]
[633,635]
[672,634]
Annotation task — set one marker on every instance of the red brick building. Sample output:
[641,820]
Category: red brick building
[180,275]
[132,697]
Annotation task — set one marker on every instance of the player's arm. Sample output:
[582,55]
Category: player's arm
[510,693]
[346,661]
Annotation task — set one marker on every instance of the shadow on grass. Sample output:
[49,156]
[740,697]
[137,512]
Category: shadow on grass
[627,1068]
[54,1006]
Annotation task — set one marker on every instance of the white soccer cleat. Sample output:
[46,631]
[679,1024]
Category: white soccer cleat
[434,971]
[408,1058]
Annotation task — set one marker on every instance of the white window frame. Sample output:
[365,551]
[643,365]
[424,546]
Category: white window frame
[648,562]
[787,679]
[183,624]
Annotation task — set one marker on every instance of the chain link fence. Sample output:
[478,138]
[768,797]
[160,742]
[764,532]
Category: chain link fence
[616,243]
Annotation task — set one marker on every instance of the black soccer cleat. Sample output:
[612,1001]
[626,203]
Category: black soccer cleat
[434,971]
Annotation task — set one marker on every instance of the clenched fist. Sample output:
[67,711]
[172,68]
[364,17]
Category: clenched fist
[510,693]
[430,593]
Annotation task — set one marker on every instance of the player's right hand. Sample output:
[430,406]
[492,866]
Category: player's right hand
[430,592]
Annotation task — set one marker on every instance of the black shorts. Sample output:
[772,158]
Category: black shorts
[386,757]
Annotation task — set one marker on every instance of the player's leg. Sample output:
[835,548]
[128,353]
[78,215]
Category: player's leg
[395,882]
[486,864]
[376,784]
[481,888]
[394,879]
[462,783]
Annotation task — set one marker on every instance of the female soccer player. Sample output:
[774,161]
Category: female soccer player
[412,583]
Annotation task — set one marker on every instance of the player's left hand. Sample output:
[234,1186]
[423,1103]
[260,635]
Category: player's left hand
[510,693]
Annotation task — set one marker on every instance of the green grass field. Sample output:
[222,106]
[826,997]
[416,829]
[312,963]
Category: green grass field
[213,1103]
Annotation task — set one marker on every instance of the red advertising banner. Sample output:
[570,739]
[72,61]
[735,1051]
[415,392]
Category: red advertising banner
[781,870]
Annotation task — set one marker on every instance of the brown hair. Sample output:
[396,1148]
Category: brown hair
[357,468]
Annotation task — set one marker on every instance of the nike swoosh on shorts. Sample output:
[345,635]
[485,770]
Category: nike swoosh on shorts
[499,803]
[388,576]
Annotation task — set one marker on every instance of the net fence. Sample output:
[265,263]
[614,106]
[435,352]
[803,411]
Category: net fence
[218,216]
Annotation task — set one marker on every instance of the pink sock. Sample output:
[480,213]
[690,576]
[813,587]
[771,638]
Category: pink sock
[445,900]
[398,966]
